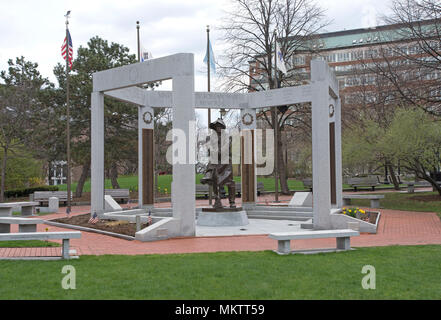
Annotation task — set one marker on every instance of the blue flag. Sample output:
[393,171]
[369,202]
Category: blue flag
[212,61]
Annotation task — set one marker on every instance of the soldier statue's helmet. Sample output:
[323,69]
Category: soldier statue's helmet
[217,124]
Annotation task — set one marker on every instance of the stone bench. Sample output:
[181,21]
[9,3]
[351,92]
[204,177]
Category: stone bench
[120,194]
[27,208]
[342,236]
[24,224]
[260,188]
[204,189]
[359,182]
[375,199]
[412,184]
[43,196]
[307,184]
[64,235]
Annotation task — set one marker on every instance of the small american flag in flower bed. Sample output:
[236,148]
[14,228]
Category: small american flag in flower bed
[94,219]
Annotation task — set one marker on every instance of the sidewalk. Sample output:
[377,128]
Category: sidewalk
[395,228]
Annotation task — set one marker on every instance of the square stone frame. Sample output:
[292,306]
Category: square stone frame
[120,83]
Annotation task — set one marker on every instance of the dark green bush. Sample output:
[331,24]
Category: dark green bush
[25,192]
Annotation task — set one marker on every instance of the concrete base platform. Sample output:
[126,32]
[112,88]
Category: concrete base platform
[255,227]
[222,219]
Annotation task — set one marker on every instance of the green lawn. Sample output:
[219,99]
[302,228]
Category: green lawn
[164,181]
[404,201]
[402,272]
[27,244]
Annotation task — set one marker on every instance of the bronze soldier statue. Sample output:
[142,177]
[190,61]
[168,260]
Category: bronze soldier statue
[220,175]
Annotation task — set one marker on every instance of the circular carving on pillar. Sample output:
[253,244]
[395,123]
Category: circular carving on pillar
[247,119]
[147,117]
[331,110]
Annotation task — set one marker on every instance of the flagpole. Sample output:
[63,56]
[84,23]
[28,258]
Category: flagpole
[210,188]
[137,31]
[276,127]
[69,192]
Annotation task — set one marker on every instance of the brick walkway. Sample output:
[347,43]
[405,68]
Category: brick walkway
[395,228]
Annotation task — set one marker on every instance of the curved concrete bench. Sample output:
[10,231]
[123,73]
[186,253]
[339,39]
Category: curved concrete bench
[64,235]
[24,224]
[342,236]
[375,199]
[27,208]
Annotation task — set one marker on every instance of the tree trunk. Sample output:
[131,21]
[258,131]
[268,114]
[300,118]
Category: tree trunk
[393,177]
[435,185]
[83,178]
[282,169]
[114,176]
[3,175]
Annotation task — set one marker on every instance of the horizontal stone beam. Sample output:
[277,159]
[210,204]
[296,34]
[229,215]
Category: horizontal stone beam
[152,70]
[217,100]
[280,97]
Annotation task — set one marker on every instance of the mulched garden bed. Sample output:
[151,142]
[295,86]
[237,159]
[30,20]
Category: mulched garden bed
[121,227]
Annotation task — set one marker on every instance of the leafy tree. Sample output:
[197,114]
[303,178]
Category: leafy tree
[414,139]
[22,170]
[21,97]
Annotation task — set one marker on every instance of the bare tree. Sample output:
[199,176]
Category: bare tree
[412,67]
[249,29]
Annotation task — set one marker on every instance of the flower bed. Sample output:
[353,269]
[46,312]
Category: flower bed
[368,216]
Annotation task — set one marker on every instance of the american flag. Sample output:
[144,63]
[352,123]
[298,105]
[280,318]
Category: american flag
[94,219]
[64,47]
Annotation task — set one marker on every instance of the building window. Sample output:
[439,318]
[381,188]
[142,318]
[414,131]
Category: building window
[331,57]
[343,56]
[298,60]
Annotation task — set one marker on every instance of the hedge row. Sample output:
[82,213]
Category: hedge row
[24,192]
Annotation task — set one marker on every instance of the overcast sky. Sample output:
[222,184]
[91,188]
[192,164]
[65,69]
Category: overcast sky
[36,28]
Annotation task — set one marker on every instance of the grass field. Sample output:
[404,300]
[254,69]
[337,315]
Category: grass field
[27,244]
[406,202]
[164,182]
[402,272]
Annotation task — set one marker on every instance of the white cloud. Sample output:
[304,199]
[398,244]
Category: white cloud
[36,29]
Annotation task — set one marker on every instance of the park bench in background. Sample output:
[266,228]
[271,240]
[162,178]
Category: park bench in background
[43,196]
[284,238]
[375,199]
[64,235]
[260,188]
[27,208]
[118,194]
[307,184]
[202,189]
[362,182]
[412,184]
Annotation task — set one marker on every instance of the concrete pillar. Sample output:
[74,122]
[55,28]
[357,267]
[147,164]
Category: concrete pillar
[146,158]
[183,184]
[5,228]
[65,249]
[338,156]
[27,228]
[97,154]
[248,158]
[321,184]
[54,204]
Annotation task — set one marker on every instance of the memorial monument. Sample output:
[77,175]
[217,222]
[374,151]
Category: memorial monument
[220,174]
